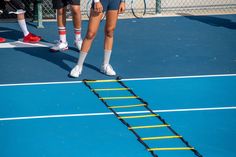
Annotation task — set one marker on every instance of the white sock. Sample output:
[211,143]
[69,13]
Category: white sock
[77,33]
[62,34]
[23,27]
[107,56]
[81,59]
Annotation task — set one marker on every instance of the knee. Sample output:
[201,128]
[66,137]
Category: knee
[109,32]
[90,35]
[75,10]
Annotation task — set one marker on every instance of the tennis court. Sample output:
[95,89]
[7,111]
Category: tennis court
[183,68]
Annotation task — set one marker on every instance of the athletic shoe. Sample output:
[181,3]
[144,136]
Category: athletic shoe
[2,40]
[76,71]
[59,46]
[78,44]
[108,70]
[31,38]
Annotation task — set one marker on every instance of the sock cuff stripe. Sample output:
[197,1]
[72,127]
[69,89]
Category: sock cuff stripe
[61,28]
[77,33]
[62,32]
[77,29]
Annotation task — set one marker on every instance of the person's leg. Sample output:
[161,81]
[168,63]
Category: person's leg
[17,7]
[93,26]
[111,20]
[28,37]
[60,7]
[22,23]
[76,13]
[61,24]
[109,31]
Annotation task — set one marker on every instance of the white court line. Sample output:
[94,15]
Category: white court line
[132,79]
[20,44]
[3,31]
[120,113]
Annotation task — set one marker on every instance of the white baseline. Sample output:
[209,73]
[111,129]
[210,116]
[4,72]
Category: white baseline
[120,113]
[131,79]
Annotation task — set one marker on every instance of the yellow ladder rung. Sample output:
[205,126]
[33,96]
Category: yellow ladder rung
[117,98]
[148,126]
[128,106]
[141,116]
[101,81]
[109,89]
[159,137]
[167,149]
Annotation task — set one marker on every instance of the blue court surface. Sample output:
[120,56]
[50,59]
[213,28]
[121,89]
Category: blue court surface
[184,67]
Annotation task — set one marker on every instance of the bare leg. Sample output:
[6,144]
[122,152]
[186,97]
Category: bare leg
[93,26]
[76,13]
[61,45]
[21,16]
[111,20]
[61,17]
[77,25]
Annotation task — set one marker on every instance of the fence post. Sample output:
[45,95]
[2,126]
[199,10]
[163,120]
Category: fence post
[158,6]
[38,13]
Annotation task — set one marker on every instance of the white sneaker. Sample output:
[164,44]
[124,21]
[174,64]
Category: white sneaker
[59,46]
[76,71]
[108,70]
[78,44]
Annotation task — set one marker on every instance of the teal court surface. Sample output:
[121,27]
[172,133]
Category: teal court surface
[178,98]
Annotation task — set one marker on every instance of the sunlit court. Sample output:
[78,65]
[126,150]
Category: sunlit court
[138,78]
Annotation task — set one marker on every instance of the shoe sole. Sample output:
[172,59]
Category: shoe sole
[70,76]
[102,71]
[37,41]
[62,50]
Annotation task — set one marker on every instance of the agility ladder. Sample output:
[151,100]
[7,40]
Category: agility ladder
[134,129]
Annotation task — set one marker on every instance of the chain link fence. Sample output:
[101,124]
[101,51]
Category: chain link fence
[198,6]
[151,7]
[29,7]
[160,7]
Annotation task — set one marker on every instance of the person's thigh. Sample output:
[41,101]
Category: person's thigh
[111,19]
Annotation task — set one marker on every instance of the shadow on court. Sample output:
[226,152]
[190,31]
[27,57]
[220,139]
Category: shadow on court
[213,21]
[58,58]
[10,34]
[44,52]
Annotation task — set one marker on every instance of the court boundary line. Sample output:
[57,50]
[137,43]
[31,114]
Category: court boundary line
[130,79]
[121,113]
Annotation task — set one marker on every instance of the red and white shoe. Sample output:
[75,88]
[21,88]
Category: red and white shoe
[2,40]
[31,38]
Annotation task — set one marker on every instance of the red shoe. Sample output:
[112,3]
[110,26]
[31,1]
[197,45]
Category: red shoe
[31,38]
[2,40]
